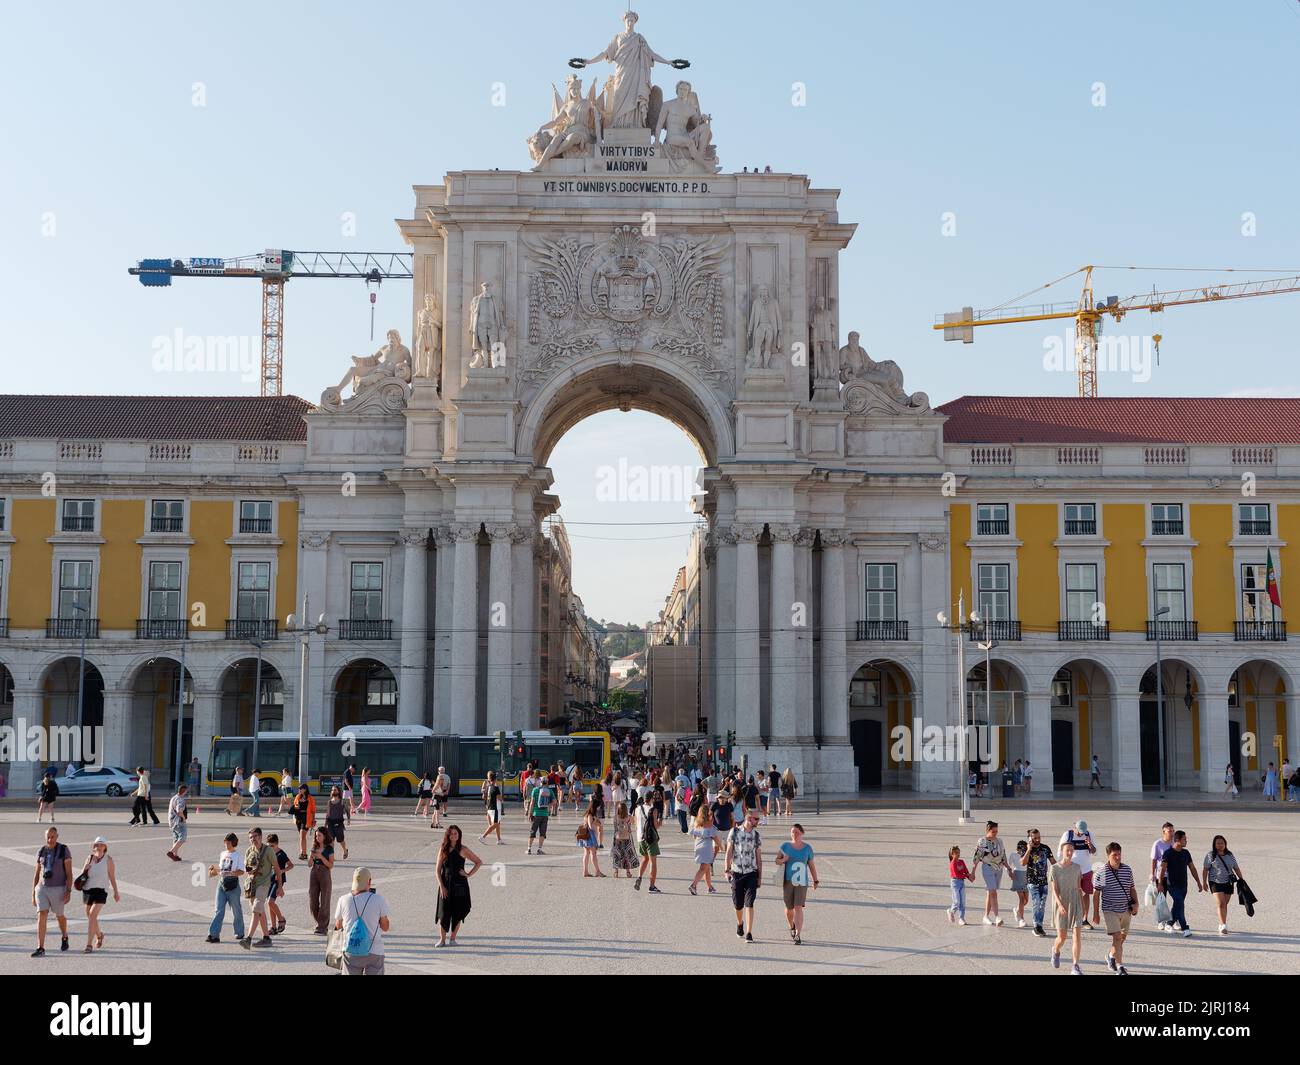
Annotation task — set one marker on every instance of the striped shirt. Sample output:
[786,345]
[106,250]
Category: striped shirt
[1116,888]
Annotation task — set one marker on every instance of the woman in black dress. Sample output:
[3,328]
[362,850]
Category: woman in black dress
[453,884]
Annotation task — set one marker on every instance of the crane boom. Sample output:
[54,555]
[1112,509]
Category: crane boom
[274,267]
[1088,314]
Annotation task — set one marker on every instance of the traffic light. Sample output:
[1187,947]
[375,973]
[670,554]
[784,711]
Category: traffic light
[722,754]
[499,742]
[731,738]
[708,753]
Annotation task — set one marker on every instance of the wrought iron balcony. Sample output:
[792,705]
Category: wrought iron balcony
[167,525]
[993,527]
[162,629]
[1071,631]
[983,631]
[365,629]
[251,628]
[1256,528]
[71,628]
[882,630]
[1173,630]
[254,525]
[1081,527]
[78,523]
[1167,527]
[1259,630]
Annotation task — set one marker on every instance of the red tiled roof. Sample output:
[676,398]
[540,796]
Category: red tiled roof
[155,417]
[1121,419]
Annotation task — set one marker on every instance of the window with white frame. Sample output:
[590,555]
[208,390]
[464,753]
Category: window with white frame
[255,516]
[995,591]
[1255,519]
[882,591]
[78,515]
[1166,519]
[253,595]
[1255,603]
[164,591]
[75,583]
[367,600]
[1080,519]
[993,519]
[167,515]
[1169,583]
[1080,590]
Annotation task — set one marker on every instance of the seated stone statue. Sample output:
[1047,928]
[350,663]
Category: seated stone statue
[857,365]
[392,362]
[688,134]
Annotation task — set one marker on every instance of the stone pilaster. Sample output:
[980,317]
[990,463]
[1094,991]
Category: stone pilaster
[783,677]
[1038,742]
[410,698]
[747,724]
[501,623]
[1213,709]
[1126,743]
[464,634]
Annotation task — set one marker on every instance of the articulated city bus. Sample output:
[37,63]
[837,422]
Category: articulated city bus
[397,755]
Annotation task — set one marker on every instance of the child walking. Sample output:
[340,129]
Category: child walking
[958,875]
[1020,884]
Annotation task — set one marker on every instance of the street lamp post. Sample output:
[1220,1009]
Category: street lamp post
[963,788]
[304,633]
[257,702]
[1160,702]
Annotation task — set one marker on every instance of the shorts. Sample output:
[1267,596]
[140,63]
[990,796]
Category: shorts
[1117,922]
[335,830]
[274,890]
[300,819]
[50,898]
[425,793]
[762,800]
[648,850]
[494,815]
[180,831]
[794,894]
[538,827]
[286,793]
[94,895]
[1221,889]
[260,894]
[744,889]
[1085,883]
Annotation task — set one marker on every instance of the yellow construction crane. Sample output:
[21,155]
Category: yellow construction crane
[1088,313]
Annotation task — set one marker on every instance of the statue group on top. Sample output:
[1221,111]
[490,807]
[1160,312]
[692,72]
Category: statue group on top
[628,101]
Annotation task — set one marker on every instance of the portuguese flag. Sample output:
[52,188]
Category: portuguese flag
[1270,578]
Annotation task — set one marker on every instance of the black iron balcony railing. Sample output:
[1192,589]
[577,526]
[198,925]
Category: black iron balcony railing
[1081,527]
[983,631]
[78,523]
[993,526]
[71,628]
[1256,528]
[1069,631]
[1167,527]
[882,630]
[251,628]
[254,525]
[365,629]
[1259,630]
[165,525]
[1173,630]
[162,629]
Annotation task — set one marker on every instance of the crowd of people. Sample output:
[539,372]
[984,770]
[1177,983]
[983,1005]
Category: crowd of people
[1063,887]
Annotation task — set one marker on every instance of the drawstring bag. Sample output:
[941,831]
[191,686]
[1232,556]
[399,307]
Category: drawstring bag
[359,937]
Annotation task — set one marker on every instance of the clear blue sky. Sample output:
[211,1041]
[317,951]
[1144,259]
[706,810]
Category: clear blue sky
[913,110]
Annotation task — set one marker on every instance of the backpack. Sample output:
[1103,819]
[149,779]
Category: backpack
[649,834]
[359,937]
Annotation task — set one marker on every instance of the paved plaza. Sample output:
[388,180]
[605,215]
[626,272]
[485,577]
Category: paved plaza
[880,908]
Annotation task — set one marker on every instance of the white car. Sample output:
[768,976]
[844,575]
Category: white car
[96,780]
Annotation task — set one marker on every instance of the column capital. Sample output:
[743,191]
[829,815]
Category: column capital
[835,538]
[414,537]
[934,542]
[502,532]
[521,534]
[313,541]
[741,533]
[464,532]
[782,533]
[805,536]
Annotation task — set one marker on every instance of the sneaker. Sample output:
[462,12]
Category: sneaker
[740,931]
[64,944]
[1160,926]
[1187,933]
[988,919]
[691,889]
[997,921]
[212,939]
[1170,929]
[1075,971]
[39,952]
[1223,929]
[265,941]
[798,940]
[1086,926]
[1121,971]
[961,921]
[653,890]
[951,917]
[637,886]
[1056,959]
[1110,963]
[1020,922]
[713,891]
[1038,931]
[540,851]
[530,850]
[749,937]
[246,942]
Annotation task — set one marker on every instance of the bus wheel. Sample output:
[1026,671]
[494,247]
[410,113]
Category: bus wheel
[266,788]
[399,789]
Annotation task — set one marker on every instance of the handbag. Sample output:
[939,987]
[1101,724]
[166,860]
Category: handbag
[334,949]
[583,833]
[82,880]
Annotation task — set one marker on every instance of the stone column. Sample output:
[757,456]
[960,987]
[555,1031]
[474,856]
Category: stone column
[834,637]
[783,665]
[939,701]
[806,725]
[1038,742]
[29,712]
[410,691]
[747,724]
[116,746]
[501,622]
[527,651]
[708,634]
[723,716]
[207,714]
[464,635]
[444,563]
[1126,741]
[1213,709]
